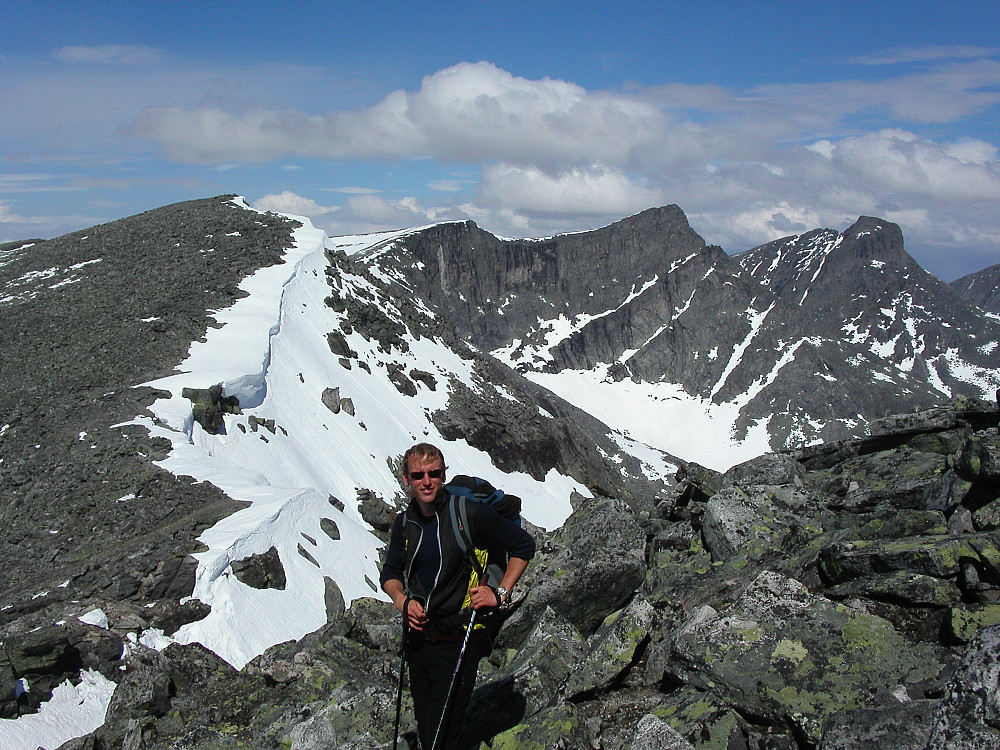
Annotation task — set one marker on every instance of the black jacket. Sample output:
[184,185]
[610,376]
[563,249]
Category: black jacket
[456,573]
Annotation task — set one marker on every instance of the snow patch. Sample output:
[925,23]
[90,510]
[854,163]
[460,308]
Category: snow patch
[73,711]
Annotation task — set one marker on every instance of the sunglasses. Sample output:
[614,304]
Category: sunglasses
[416,476]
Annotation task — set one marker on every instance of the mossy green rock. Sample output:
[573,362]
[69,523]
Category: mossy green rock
[557,727]
[903,477]
[599,564]
[700,717]
[987,517]
[895,726]
[678,563]
[533,679]
[913,589]
[738,523]
[358,715]
[796,658]
[981,458]
[613,649]
[938,556]
[968,715]
[652,733]
[964,623]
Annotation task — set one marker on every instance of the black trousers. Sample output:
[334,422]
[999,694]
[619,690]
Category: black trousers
[431,666]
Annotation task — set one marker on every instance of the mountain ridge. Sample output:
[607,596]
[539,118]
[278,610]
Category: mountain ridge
[119,503]
[850,313]
[982,288]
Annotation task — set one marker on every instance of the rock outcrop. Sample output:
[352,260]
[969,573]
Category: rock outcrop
[838,596]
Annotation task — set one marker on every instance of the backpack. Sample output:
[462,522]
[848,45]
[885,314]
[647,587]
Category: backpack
[507,506]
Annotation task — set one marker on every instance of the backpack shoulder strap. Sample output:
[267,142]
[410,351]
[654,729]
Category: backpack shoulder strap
[459,513]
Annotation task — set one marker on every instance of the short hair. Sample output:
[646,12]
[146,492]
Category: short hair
[424,451]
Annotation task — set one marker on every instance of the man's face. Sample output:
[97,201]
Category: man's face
[423,486]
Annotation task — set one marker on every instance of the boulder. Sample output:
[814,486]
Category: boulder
[939,556]
[652,733]
[597,564]
[701,717]
[795,658]
[560,728]
[902,726]
[770,469]
[612,650]
[532,679]
[968,716]
[737,523]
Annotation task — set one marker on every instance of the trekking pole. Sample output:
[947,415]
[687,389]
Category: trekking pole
[399,684]
[454,675]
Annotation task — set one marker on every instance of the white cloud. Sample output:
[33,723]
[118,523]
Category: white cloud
[943,94]
[372,208]
[548,155]
[447,186]
[467,113]
[762,222]
[352,190]
[902,162]
[900,55]
[598,190]
[117,54]
[7,215]
[290,203]
[363,211]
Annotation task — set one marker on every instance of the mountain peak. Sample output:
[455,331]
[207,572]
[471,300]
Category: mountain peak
[871,239]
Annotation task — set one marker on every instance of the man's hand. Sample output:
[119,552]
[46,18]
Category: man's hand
[483,596]
[415,615]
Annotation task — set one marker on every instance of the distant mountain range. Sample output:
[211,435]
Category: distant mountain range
[804,338]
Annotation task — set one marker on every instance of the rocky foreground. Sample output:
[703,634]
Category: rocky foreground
[846,595]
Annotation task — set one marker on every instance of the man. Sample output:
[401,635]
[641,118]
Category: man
[436,585]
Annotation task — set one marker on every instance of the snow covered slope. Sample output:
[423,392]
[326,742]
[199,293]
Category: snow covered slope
[301,476]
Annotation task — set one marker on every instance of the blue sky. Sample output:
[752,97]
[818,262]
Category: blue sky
[758,119]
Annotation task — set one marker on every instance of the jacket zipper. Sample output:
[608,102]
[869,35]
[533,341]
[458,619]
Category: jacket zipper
[413,558]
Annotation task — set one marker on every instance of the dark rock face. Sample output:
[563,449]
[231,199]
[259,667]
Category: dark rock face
[263,571]
[872,322]
[817,334]
[523,427]
[208,405]
[981,288]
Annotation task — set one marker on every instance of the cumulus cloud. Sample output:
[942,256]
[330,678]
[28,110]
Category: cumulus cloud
[471,112]
[363,211]
[290,203]
[598,190]
[905,164]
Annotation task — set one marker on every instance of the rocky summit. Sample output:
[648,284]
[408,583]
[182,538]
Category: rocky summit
[823,595]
